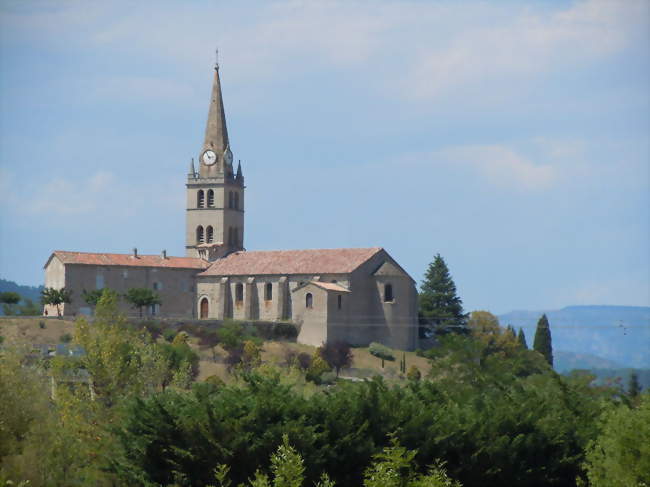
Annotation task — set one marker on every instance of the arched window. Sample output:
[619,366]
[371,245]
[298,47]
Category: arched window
[388,293]
[230,199]
[237,201]
[203,307]
[268,291]
[309,300]
[200,197]
[199,235]
[239,292]
[209,234]
[339,300]
[210,198]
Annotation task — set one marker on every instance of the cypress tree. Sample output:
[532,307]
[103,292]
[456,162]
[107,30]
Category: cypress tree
[440,307]
[634,388]
[522,338]
[542,342]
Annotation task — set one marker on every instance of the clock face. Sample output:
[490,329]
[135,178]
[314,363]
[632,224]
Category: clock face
[209,158]
[228,156]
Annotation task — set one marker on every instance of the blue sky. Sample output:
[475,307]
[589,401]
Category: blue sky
[510,137]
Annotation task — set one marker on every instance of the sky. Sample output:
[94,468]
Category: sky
[512,138]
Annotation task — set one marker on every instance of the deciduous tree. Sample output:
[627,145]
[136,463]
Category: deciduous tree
[140,297]
[56,297]
[337,354]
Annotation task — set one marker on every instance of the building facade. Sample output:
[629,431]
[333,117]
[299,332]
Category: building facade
[353,295]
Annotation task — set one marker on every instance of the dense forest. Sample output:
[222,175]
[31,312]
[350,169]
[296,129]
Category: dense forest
[490,412]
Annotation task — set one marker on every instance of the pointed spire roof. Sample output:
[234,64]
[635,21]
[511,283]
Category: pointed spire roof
[216,132]
[240,175]
[192,172]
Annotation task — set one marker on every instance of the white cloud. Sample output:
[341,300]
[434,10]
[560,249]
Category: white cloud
[501,166]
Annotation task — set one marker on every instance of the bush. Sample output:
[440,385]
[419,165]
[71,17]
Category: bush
[41,325]
[381,351]
[317,368]
[413,373]
[419,352]
[231,335]
[169,334]
[304,360]
[327,378]
[65,338]
[284,331]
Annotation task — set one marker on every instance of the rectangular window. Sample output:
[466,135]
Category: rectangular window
[339,299]
[99,281]
[239,292]
[268,291]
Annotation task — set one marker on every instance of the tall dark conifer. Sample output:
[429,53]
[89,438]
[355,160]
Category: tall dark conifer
[542,342]
[522,338]
[441,309]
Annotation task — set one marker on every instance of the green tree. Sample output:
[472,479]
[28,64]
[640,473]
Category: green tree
[441,310]
[542,343]
[139,297]
[91,298]
[521,338]
[56,297]
[633,387]
[620,456]
[9,301]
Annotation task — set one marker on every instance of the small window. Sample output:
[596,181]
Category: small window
[210,198]
[239,292]
[99,281]
[155,286]
[268,291]
[200,197]
[237,201]
[309,300]
[388,293]
[339,300]
[199,235]
[209,234]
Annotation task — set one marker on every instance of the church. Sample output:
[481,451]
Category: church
[354,295]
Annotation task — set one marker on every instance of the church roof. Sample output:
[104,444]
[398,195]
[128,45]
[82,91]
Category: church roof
[88,258]
[328,286]
[283,262]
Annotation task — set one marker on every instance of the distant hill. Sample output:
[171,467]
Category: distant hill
[27,292]
[592,336]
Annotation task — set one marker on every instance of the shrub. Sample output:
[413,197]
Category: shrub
[419,352]
[285,331]
[413,373]
[304,361]
[337,354]
[41,325]
[181,338]
[251,354]
[328,378]
[169,334]
[65,338]
[231,335]
[215,381]
[381,351]
[234,357]
[317,368]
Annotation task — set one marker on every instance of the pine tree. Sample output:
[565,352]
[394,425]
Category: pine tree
[542,342]
[522,338]
[634,388]
[440,307]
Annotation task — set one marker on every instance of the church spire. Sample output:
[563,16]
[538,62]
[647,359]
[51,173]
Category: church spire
[216,132]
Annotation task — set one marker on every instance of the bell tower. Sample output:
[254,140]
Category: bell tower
[215,193]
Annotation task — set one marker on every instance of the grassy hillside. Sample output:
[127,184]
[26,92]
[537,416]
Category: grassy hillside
[28,332]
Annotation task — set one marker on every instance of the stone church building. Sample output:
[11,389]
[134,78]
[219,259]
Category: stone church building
[355,295]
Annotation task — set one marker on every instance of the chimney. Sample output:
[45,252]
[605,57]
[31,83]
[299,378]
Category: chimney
[163,254]
[135,252]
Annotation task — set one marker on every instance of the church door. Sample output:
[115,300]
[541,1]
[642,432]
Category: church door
[204,308]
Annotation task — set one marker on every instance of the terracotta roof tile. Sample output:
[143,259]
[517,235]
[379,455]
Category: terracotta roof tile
[330,286]
[87,258]
[284,262]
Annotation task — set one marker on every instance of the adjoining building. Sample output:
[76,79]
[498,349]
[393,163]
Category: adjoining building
[353,295]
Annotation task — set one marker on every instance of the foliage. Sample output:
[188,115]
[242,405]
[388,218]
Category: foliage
[337,354]
[29,308]
[181,338]
[181,364]
[251,355]
[209,340]
[634,388]
[65,338]
[413,373]
[231,335]
[317,368]
[91,298]
[441,310]
[9,300]
[381,351]
[139,297]
[169,334]
[56,297]
[521,338]
[620,456]
[542,343]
